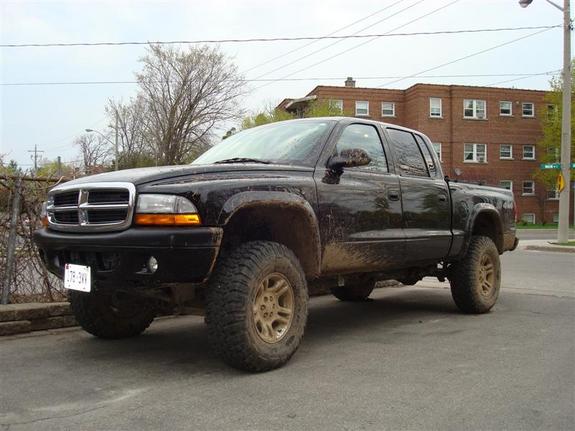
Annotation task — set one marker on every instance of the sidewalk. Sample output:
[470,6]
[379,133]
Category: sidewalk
[544,245]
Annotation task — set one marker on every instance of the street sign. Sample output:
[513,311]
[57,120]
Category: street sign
[550,165]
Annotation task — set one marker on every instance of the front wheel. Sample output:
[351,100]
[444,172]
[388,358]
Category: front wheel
[111,315]
[476,279]
[256,306]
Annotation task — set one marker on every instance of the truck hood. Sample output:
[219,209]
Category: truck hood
[141,176]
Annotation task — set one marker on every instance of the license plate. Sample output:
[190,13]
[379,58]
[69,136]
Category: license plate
[77,277]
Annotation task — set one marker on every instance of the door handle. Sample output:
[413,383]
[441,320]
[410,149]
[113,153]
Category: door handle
[393,195]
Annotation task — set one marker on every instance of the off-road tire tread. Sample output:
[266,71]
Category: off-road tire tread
[463,280]
[86,310]
[226,296]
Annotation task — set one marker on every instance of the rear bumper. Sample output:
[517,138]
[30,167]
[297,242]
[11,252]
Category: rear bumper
[183,254]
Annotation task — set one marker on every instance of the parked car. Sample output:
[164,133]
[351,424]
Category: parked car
[257,221]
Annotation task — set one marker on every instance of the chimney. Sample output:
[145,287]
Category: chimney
[349,82]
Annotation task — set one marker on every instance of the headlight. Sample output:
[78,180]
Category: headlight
[166,210]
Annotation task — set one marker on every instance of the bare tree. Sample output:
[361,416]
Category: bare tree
[95,152]
[182,95]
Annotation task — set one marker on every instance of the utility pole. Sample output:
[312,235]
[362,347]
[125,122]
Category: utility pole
[116,143]
[59,171]
[563,229]
[35,157]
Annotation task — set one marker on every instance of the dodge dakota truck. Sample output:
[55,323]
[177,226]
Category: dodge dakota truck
[244,232]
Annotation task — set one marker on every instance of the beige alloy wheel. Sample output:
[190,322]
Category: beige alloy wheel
[273,308]
[486,275]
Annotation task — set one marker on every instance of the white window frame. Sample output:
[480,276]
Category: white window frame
[510,157]
[510,108]
[532,109]
[435,114]
[555,196]
[336,103]
[439,153]
[366,107]
[475,109]
[392,104]
[532,192]
[529,215]
[523,152]
[474,152]
[506,181]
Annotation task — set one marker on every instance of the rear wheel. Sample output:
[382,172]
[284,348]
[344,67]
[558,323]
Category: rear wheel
[355,292]
[111,315]
[256,307]
[476,279]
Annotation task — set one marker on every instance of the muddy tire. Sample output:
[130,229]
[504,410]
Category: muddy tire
[353,293]
[111,316]
[476,279]
[256,306]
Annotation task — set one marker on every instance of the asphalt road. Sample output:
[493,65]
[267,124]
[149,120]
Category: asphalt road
[405,360]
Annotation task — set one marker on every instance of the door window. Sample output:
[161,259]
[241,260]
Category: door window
[408,156]
[366,138]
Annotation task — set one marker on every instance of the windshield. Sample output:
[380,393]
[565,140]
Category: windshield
[289,142]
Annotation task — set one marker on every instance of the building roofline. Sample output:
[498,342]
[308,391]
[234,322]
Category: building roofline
[421,84]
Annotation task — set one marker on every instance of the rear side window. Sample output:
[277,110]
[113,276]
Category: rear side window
[407,154]
[427,155]
[363,137]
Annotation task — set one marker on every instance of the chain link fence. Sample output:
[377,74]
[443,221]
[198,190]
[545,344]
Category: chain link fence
[21,270]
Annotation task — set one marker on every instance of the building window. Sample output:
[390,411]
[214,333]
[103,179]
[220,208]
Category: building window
[506,152]
[506,184]
[528,188]
[362,108]
[553,194]
[505,108]
[387,109]
[528,218]
[528,152]
[528,109]
[336,105]
[476,109]
[475,153]
[551,112]
[435,108]
[437,149]
[556,218]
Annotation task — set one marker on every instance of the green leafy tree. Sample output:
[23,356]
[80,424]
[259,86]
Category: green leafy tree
[317,108]
[550,146]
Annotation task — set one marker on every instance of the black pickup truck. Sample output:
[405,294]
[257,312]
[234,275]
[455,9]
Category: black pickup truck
[252,225]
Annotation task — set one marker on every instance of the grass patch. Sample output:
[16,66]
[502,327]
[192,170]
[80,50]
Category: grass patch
[565,244]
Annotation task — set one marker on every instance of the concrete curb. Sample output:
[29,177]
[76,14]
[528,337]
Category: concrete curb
[557,248]
[22,318]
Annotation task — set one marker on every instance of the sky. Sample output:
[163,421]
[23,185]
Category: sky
[51,116]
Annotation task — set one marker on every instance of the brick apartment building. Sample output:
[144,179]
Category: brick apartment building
[481,134]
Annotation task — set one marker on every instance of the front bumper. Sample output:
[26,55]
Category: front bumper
[183,254]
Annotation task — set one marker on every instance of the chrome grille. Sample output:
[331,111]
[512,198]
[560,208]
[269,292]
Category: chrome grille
[91,207]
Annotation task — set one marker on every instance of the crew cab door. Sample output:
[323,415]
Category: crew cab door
[359,208]
[424,196]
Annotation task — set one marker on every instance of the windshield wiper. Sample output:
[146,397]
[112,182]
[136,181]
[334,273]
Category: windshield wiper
[242,160]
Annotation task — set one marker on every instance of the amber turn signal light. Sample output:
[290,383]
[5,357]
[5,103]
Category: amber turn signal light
[167,219]
[44,221]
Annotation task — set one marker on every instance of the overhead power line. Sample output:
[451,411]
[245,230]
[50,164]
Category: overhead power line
[465,57]
[323,48]
[274,39]
[331,78]
[369,40]
[299,48]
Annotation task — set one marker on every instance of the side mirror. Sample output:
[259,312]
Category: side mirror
[348,159]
